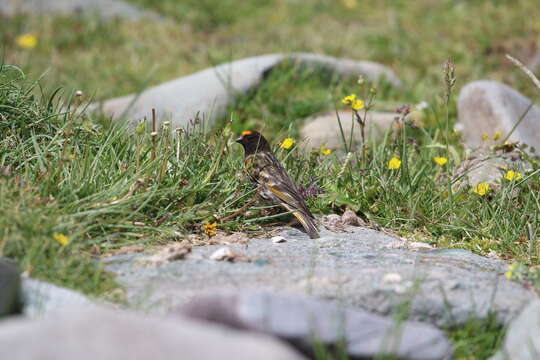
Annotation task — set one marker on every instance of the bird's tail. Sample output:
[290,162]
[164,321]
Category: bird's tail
[308,223]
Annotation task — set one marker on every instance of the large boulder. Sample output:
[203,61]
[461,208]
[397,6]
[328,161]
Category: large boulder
[361,268]
[90,334]
[207,93]
[304,322]
[10,284]
[487,107]
[40,298]
[101,8]
[522,340]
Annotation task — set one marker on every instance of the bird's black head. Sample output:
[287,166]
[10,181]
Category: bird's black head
[253,142]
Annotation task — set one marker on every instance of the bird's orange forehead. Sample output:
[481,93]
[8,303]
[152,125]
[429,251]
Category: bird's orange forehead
[247,132]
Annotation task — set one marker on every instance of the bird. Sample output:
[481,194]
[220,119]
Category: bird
[275,185]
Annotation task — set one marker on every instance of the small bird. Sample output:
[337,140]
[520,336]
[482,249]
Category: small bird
[275,184]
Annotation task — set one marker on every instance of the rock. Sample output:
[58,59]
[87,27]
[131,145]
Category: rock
[40,298]
[323,129]
[304,321]
[101,8]
[10,285]
[350,218]
[222,254]
[522,340]
[489,167]
[167,254]
[83,334]
[278,239]
[487,107]
[209,92]
[444,286]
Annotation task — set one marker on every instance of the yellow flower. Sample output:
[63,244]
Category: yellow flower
[348,100]
[497,135]
[485,137]
[26,41]
[349,4]
[325,151]
[71,156]
[513,175]
[357,104]
[394,163]
[210,229]
[287,143]
[61,238]
[440,160]
[508,275]
[481,188]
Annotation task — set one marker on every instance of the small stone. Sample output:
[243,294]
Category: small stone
[278,239]
[333,223]
[350,218]
[417,245]
[223,254]
[392,278]
[167,254]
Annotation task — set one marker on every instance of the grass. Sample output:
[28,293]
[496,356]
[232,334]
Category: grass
[102,187]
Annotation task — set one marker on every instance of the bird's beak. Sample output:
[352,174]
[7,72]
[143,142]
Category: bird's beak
[239,140]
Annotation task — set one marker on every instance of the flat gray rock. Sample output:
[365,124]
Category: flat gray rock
[522,339]
[101,8]
[40,298]
[323,129]
[83,334]
[303,321]
[487,107]
[10,285]
[207,93]
[364,268]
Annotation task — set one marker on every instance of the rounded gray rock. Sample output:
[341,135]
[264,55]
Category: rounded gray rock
[487,107]
[83,334]
[10,285]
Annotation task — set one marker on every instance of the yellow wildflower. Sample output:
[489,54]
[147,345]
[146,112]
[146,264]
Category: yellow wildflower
[348,100]
[71,156]
[26,41]
[481,188]
[497,135]
[394,163]
[210,229]
[325,151]
[287,143]
[508,275]
[349,4]
[61,238]
[485,137]
[513,175]
[357,104]
[440,160]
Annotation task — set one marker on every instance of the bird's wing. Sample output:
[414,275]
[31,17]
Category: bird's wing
[273,176]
